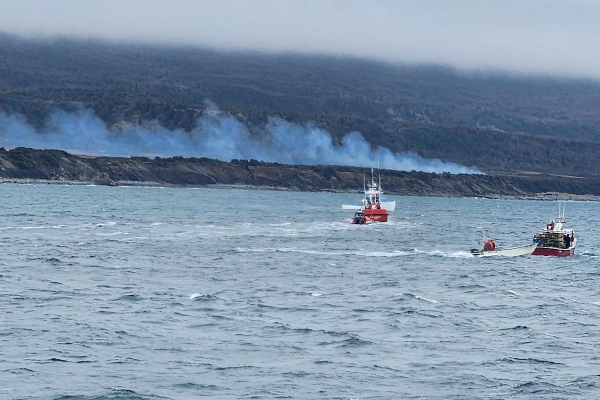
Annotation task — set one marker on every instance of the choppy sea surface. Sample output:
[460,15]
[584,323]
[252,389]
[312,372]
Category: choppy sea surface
[164,293]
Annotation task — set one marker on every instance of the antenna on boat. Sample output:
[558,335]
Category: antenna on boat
[372,176]
[483,233]
[378,169]
[561,214]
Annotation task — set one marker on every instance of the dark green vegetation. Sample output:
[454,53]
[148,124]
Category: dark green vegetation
[54,165]
[501,124]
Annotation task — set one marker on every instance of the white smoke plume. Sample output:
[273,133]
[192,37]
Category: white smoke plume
[217,135]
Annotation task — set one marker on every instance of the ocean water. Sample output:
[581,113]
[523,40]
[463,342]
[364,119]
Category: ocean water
[164,293]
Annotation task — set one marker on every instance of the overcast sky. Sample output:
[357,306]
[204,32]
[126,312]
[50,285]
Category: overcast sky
[557,37]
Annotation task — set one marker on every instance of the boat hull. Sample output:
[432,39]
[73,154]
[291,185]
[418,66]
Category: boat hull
[514,252]
[366,221]
[553,252]
[377,214]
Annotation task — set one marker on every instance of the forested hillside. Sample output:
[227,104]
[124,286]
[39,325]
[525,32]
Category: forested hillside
[495,122]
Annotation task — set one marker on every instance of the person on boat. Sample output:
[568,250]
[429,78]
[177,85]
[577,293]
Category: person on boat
[359,218]
[567,241]
[489,245]
[550,226]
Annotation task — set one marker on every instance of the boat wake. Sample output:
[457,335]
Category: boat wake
[361,253]
[445,254]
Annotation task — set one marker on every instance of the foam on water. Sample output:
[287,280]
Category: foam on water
[196,296]
[361,253]
[414,296]
[447,254]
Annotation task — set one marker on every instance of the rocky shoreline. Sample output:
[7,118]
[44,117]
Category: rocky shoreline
[23,165]
[539,196]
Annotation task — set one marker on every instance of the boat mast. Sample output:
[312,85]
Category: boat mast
[379,172]
[561,214]
[372,177]
[483,233]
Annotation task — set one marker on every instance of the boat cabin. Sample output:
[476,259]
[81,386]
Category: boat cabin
[554,235]
[555,240]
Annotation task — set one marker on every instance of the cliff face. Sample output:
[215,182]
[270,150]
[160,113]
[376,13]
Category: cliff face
[55,165]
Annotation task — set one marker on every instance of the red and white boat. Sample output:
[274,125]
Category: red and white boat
[555,240]
[374,204]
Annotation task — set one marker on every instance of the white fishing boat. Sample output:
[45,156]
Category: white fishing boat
[489,249]
[520,251]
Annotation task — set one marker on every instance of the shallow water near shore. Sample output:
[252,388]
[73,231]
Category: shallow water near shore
[165,293]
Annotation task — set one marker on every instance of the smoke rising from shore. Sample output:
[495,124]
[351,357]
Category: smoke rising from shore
[217,135]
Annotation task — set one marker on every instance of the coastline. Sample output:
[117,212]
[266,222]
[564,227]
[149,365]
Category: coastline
[30,166]
[534,197]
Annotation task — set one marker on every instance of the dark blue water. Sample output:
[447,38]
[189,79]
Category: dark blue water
[149,293]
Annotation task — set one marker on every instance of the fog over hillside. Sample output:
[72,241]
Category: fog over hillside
[556,37]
